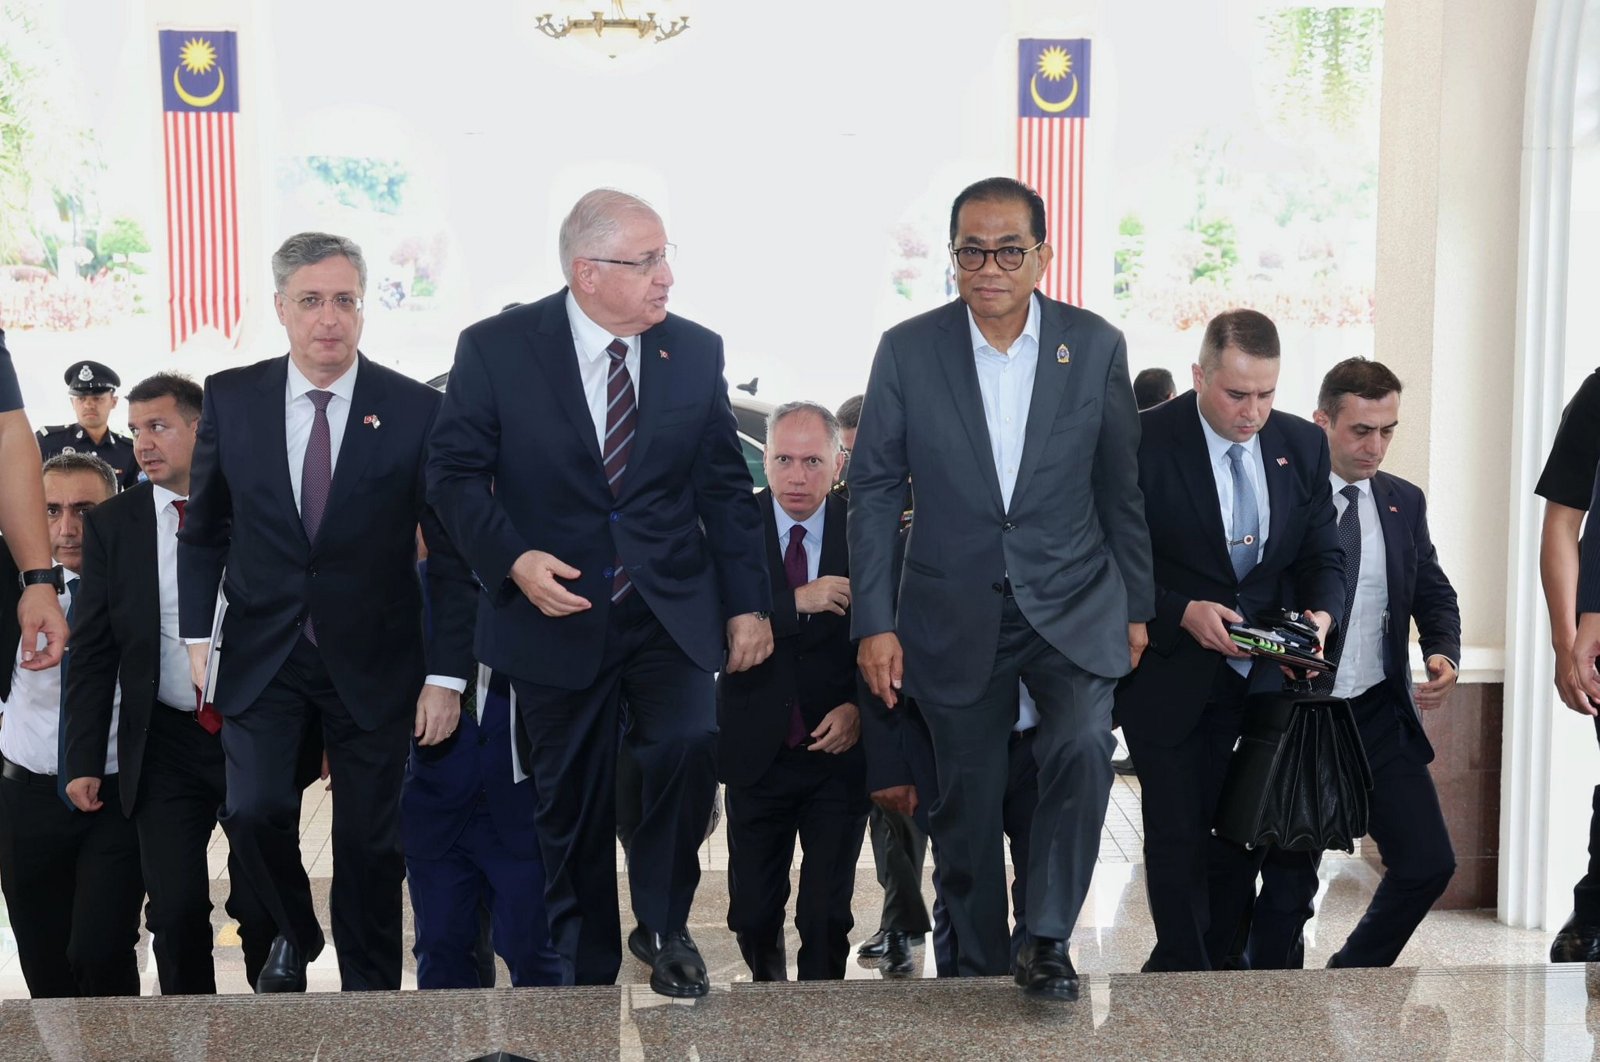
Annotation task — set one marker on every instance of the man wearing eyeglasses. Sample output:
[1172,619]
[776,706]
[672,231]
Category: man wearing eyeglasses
[1029,559]
[587,462]
[305,492]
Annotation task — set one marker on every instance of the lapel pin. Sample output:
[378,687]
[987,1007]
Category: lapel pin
[665,356]
[1063,355]
[1283,462]
[1394,508]
[372,421]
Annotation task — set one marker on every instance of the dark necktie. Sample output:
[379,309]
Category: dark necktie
[316,478]
[622,416]
[797,571]
[205,714]
[61,716]
[1350,542]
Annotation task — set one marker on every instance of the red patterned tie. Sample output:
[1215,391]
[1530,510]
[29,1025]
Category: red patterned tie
[316,477]
[797,571]
[205,714]
[622,416]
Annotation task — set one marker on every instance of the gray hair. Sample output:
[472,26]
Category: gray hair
[593,223]
[309,248]
[79,462]
[829,421]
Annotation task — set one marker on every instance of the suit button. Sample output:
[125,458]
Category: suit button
[1008,526]
[998,588]
[615,517]
[609,572]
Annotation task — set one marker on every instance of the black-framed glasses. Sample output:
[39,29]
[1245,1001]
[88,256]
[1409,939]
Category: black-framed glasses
[647,264]
[971,259]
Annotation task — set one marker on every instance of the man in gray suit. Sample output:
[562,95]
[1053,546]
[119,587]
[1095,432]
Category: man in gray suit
[1029,559]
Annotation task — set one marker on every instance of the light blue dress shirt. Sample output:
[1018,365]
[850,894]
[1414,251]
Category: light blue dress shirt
[1005,381]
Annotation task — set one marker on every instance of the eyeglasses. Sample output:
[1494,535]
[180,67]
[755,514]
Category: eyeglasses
[645,265]
[972,259]
[309,305]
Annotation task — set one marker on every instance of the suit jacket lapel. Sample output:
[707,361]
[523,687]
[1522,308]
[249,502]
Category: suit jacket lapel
[769,528]
[1395,532]
[360,439]
[1049,384]
[655,376]
[269,426]
[953,351]
[1280,476]
[835,558]
[144,549]
[554,354]
[1193,458]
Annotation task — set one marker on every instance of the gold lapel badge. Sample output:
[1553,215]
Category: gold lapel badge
[1063,355]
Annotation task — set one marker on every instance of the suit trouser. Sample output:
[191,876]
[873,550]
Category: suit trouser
[181,789]
[262,745]
[1022,796]
[899,848]
[1406,822]
[1200,886]
[1586,894]
[1072,747]
[72,888]
[799,795]
[572,734]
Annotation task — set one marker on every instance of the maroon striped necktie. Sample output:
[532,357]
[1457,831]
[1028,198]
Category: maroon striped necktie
[316,478]
[622,417]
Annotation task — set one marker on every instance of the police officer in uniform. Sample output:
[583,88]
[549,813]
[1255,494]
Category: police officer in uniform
[93,390]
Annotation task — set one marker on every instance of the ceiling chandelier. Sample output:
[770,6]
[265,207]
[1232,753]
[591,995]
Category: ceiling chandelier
[623,28]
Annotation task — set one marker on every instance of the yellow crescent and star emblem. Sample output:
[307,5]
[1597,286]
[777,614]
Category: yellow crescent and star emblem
[199,57]
[1054,65]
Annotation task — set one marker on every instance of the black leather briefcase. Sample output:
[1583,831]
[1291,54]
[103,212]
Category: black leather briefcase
[1298,778]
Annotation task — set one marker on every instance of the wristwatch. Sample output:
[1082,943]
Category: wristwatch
[35,576]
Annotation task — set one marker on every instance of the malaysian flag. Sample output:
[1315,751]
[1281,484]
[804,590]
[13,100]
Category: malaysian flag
[200,98]
[1052,110]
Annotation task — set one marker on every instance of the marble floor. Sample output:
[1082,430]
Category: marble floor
[1466,987]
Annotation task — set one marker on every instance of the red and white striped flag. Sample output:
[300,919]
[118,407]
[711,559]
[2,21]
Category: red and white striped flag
[1052,111]
[200,98]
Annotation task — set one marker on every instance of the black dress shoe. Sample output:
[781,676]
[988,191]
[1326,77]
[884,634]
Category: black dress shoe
[1045,971]
[897,960]
[676,968]
[285,969]
[874,946]
[1577,942]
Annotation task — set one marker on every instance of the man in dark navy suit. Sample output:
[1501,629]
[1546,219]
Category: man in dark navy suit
[787,745]
[1237,500]
[1392,576]
[307,489]
[587,463]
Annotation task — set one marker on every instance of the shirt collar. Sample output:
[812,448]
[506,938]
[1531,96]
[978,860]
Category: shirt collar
[1217,446]
[812,524]
[344,386]
[1339,483]
[165,497]
[1030,330]
[590,339]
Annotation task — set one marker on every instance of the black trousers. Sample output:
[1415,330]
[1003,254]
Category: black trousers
[572,736]
[263,748]
[1586,895]
[1072,747]
[899,848]
[799,796]
[1200,886]
[182,787]
[72,888]
[1406,822]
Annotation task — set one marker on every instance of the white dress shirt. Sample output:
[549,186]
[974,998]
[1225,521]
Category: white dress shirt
[1222,471]
[1361,660]
[175,690]
[1005,383]
[594,364]
[1027,710]
[813,540]
[30,736]
[299,414]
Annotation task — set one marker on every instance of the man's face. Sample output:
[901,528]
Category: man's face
[92,410]
[163,442]
[992,291]
[802,463]
[67,497]
[1360,433]
[322,341]
[626,300]
[1236,398]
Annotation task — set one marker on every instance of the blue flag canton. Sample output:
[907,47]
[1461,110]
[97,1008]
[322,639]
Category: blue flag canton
[199,70]
[1053,79]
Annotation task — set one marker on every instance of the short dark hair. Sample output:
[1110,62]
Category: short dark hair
[1357,376]
[1248,331]
[69,463]
[174,385]
[1005,190]
[1153,387]
[849,413]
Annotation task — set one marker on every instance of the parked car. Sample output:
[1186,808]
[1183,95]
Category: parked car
[750,415]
